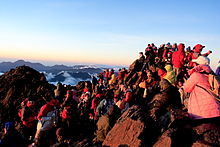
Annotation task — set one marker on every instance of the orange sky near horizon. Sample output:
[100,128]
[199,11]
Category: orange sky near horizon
[64,57]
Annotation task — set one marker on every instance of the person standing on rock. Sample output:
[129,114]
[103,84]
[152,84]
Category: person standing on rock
[178,59]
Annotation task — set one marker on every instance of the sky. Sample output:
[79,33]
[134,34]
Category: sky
[108,32]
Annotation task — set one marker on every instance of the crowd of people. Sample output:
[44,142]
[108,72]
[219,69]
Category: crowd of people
[175,73]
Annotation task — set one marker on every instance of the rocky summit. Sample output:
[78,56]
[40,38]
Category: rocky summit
[18,84]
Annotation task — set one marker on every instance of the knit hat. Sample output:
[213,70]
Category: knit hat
[202,60]
[161,73]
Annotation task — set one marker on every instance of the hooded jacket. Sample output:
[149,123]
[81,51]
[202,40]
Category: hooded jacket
[201,104]
[47,108]
[170,76]
[178,56]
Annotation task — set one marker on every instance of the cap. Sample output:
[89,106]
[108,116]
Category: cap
[202,60]
[198,47]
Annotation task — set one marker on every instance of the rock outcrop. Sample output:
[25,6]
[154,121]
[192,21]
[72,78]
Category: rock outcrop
[18,84]
[134,128]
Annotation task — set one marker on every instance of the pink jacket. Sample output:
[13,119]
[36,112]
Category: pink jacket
[201,104]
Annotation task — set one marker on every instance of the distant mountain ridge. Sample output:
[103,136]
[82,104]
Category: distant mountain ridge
[57,73]
[6,66]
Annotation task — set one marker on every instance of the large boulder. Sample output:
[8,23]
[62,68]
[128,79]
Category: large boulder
[18,84]
[134,128]
[208,134]
[202,135]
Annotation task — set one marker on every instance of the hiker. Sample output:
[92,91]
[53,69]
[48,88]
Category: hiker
[218,69]
[113,79]
[160,51]
[178,59]
[47,121]
[61,137]
[84,105]
[101,77]
[151,86]
[95,102]
[105,123]
[104,105]
[11,137]
[195,53]
[94,82]
[28,115]
[141,58]
[106,75]
[174,47]
[166,100]
[121,76]
[149,59]
[201,103]
[161,73]
[170,75]
[127,94]
[59,92]
[69,113]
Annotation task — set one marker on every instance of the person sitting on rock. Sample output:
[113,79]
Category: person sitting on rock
[11,137]
[62,140]
[164,102]
[47,121]
[28,115]
[105,123]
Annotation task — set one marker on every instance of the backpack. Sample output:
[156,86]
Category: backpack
[49,121]
[214,82]
[106,105]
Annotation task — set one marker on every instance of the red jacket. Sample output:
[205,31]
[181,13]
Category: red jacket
[197,49]
[66,113]
[47,108]
[178,56]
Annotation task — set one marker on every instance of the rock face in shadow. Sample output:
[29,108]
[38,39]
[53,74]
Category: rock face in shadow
[134,128]
[203,135]
[18,84]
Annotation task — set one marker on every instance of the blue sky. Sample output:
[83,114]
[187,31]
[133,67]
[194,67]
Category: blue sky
[103,31]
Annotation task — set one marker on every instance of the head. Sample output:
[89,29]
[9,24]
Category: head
[181,47]
[9,126]
[188,49]
[174,45]
[161,73]
[69,93]
[149,73]
[141,54]
[54,102]
[30,103]
[60,133]
[168,68]
[164,84]
[157,59]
